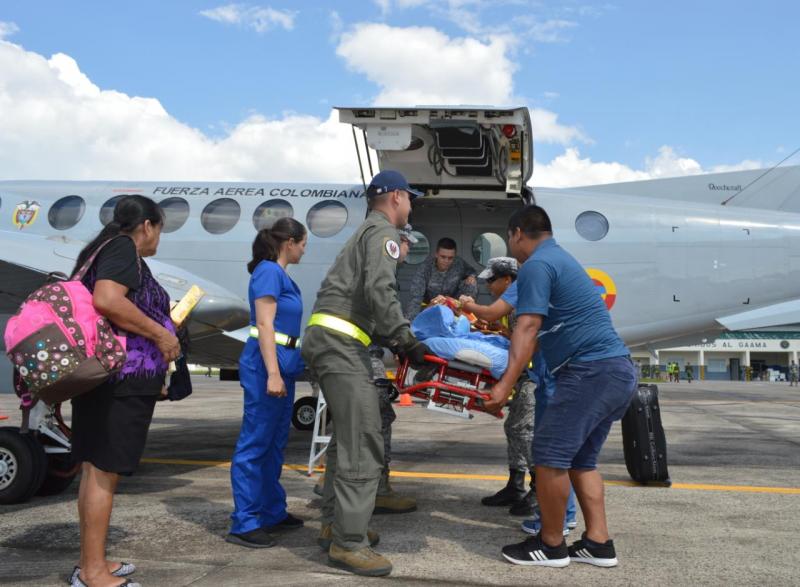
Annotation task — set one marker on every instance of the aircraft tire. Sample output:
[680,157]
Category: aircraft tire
[18,466]
[39,458]
[61,471]
[304,413]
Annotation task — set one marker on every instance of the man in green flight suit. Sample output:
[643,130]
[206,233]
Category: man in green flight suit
[356,304]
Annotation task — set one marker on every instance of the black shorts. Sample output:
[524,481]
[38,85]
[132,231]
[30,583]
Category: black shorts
[110,430]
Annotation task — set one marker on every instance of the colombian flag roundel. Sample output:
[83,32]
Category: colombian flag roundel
[605,286]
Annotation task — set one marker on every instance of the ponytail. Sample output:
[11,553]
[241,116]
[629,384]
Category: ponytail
[268,241]
[130,212]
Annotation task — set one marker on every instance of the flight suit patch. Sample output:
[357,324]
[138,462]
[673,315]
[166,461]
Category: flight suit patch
[391,248]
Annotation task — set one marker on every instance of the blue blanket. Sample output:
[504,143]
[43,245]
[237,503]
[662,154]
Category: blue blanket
[446,335]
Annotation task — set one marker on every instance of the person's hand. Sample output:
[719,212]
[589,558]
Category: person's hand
[438,300]
[498,398]
[169,346]
[471,280]
[416,354]
[465,301]
[275,385]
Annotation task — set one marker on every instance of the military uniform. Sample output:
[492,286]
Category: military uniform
[359,292]
[519,426]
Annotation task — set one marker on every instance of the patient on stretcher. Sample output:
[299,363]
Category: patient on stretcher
[450,337]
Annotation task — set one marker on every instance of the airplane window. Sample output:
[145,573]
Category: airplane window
[487,246]
[326,218]
[176,211]
[591,225]
[66,212]
[107,210]
[268,212]
[221,215]
[419,251]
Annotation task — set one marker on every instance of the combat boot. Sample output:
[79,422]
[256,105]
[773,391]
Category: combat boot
[527,505]
[325,538]
[363,561]
[513,492]
[387,501]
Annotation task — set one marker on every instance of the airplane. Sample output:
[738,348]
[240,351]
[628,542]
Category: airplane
[676,260]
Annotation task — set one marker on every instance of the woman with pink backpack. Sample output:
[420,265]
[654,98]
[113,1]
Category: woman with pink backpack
[110,422]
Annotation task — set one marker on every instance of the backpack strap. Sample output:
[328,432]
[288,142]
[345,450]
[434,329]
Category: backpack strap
[81,273]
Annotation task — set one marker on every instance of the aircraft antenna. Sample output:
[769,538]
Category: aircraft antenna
[739,193]
[360,165]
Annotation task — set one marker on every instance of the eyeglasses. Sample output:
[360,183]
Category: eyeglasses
[492,279]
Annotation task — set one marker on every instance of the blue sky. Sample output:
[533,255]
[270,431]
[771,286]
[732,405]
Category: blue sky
[713,84]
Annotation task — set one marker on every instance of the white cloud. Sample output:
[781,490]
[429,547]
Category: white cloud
[465,71]
[7,29]
[259,18]
[421,65]
[57,124]
[571,170]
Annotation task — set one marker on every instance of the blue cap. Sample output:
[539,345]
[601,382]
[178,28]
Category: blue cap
[388,181]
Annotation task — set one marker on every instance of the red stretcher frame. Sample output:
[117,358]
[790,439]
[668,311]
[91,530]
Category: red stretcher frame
[469,396]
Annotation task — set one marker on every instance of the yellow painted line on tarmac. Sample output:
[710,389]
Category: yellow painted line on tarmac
[479,477]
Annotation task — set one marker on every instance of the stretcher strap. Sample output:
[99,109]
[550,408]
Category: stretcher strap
[292,342]
[339,325]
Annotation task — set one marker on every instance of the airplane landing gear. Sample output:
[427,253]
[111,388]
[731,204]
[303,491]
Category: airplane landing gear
[38,462]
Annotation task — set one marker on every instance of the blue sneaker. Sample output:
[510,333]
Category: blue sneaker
[534,526]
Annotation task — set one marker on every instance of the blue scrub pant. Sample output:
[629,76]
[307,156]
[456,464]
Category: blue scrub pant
[258,497]
[542,394]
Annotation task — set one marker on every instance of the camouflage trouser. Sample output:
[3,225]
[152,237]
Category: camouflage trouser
[519,426]
[387,411]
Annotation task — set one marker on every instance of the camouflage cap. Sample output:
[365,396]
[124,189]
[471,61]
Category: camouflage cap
[499,267]
[406,233]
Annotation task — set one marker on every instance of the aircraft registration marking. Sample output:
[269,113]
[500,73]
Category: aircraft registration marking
[605,286]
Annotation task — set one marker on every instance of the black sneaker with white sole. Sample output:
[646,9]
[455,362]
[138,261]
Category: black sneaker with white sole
[593,553]
[534,552]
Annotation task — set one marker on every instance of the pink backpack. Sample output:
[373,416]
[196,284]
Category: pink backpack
[58,343]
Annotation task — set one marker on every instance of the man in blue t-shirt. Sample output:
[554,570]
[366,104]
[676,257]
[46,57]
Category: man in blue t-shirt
[559,307]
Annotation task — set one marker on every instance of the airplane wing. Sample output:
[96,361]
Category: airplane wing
[26,260]
[774,315]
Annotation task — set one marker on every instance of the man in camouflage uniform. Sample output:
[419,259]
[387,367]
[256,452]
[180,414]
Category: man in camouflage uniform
[357,302]
[442,274]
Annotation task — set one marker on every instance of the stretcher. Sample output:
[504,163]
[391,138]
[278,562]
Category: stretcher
[456,386]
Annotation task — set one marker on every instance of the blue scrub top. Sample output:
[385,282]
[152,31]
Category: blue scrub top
[270,279]
[576,324]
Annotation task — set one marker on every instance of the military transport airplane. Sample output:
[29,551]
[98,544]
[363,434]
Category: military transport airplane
[671,261]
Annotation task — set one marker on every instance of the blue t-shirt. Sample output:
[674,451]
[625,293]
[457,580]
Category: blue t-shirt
[540,375]
[576,325]
[269,279]
[510,295]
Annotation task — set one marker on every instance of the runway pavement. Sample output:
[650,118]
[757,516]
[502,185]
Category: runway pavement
[730,518]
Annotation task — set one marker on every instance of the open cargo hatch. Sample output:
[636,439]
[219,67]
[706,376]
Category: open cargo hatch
[466,148]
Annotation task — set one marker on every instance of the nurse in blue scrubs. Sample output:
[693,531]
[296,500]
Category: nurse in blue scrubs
[268,366]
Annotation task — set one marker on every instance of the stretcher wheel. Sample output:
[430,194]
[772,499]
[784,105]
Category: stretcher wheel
[304,413]
[21,466]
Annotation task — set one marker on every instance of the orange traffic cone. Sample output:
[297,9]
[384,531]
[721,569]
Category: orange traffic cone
[405,400]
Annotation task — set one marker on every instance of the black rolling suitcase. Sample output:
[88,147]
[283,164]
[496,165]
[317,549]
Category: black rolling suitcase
[643,439]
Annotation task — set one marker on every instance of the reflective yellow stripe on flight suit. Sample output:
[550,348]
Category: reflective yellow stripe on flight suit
[339,325]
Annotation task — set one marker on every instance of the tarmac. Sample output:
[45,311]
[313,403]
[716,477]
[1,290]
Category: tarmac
[729,518]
